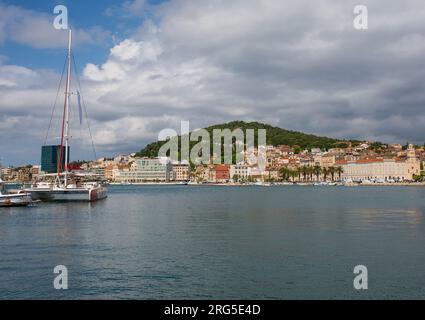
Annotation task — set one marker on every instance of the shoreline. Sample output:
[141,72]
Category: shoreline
[304,184]
[266,184]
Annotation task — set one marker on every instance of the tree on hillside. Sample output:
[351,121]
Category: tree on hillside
[275,136]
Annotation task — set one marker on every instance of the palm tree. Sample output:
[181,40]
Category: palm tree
[293,174]
[304,171]
[299,171]
[325,173]
[332,172]
[284,172]
[288,174]
[340,171]
[317,171]
[310,172]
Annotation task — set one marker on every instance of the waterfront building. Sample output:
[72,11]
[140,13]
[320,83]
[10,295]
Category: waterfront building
[120,173]
[382,169]
[222,173]
[239,171]
[96,171]
[24,175]
[180,172]
[255,174]
[325,160]
[214,173]
[144,170]
[108,172]
[306,161]
[200,174]
[210,174]
[35,170]
[103,162]
[271,174]
[6,171]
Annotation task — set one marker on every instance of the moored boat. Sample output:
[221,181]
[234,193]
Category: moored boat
[62,184]
[13,199]
[80,191]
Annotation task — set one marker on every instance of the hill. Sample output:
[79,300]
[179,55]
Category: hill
[275,136]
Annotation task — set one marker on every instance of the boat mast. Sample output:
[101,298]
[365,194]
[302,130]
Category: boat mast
[65,119]
[68,84]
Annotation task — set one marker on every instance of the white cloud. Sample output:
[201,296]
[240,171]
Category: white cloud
[12,76]
[124,57]
[134,6]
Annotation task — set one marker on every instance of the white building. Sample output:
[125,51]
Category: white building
[245,171]
[240,170]
[180,172]
[145,170]
[382,169]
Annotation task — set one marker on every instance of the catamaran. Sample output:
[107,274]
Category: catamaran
[65,185]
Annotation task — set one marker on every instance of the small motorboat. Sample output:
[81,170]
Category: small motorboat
[19,199]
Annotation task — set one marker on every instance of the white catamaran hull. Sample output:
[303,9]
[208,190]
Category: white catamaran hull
[69,194]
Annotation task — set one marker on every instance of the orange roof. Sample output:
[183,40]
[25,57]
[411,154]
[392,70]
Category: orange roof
[221,167]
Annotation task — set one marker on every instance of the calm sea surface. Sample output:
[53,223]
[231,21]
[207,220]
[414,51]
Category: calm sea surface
[187,242]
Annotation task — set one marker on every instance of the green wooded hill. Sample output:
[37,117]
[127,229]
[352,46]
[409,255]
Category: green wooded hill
[275,136]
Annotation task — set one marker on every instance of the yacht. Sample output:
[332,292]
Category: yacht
[13,199]
[71,190]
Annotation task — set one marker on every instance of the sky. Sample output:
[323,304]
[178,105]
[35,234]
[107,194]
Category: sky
[147,65]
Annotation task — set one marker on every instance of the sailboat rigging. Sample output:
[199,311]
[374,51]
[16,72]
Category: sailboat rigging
[67,185]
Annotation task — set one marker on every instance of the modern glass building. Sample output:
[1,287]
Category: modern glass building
[50,158]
